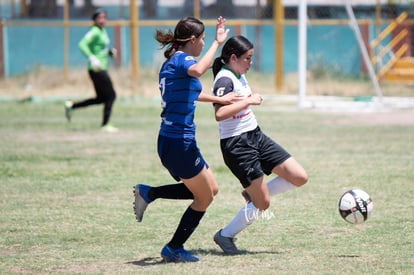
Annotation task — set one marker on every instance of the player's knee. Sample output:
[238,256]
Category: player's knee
[262,204]
[213,186]
[300,179]
[303,179]
[215,191]
[202,203]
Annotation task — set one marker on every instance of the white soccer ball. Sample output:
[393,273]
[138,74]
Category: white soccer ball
[355,206]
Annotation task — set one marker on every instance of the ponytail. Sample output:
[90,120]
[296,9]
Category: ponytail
[184,30]
[217,65]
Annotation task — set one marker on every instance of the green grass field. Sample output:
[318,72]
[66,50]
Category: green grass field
[66,194]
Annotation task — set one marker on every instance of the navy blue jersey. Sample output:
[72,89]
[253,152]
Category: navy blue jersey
[179,93]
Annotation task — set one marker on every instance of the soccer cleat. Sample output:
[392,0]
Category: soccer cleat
[68,109]
[141,200]
[109,128]
[177,255]
[246,196]
[226,244]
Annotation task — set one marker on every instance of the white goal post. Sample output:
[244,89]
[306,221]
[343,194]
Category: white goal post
[302,41]
[354,25]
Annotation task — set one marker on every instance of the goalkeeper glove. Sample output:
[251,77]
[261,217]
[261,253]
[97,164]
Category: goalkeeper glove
[95,63]
[113,52]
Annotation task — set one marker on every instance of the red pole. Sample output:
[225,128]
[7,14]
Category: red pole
[117,45]
[237,30]
[1,51]
[365,37]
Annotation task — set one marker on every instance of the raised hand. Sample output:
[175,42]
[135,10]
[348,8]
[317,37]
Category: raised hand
[221,32]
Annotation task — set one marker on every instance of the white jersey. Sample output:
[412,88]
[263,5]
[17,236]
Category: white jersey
[245,120]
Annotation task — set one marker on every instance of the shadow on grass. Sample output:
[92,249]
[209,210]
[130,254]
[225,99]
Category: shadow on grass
[149,261]
[218,252]
[347,256]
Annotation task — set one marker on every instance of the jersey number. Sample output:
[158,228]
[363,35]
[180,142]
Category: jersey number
[162,89]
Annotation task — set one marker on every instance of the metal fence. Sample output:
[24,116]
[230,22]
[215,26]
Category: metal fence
[46,32]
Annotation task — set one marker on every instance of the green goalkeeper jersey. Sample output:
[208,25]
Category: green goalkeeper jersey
[96,42]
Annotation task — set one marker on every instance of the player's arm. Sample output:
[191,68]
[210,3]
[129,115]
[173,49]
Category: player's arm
[223,112]
[85,49]
[85,42]
[226,99]
[224,86]
[204,63]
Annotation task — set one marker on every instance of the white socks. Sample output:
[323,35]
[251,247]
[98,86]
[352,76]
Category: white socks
[279,185]
[246,216]
[249,213]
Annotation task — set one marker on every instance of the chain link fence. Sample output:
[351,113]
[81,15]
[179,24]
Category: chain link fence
[208,9]
[332,50]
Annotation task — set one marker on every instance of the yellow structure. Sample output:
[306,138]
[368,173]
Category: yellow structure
[399,68]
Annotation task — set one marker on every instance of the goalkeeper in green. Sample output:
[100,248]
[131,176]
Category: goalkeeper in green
[95,46]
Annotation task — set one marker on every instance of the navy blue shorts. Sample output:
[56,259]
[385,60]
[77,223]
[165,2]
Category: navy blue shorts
[251,155]
[181,157]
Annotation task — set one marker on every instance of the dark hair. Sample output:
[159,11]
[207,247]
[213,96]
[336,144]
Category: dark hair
[97,12]
[184,30]
[237,45]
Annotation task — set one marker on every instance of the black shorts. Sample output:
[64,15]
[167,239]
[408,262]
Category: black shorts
[251,155]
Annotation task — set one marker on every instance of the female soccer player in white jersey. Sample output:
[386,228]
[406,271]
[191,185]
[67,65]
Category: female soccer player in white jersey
[247,151]
[177,148]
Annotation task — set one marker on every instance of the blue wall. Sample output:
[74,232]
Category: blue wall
[330,46]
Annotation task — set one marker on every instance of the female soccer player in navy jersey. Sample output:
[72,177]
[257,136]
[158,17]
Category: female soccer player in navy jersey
[177,148]
[247,151]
